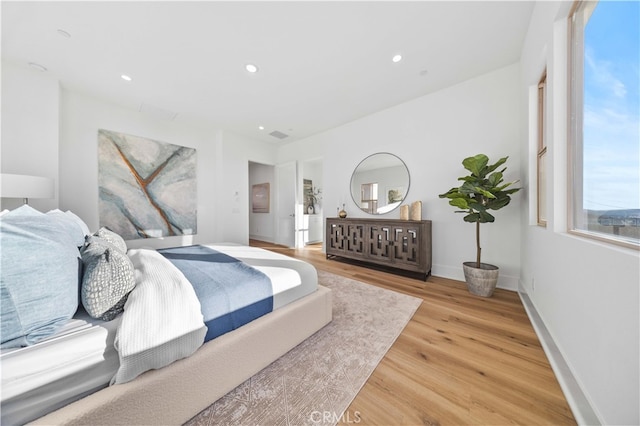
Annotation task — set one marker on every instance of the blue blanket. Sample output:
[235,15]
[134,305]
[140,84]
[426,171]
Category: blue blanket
[231,293]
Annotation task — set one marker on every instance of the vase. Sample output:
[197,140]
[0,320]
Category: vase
[342,213]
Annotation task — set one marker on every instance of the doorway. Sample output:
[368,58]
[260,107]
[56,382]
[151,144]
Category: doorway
[312,226]
[261,209]
[293,216]
[273,208]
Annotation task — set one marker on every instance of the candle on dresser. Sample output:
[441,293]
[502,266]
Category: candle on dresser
[404,212]
[416,210]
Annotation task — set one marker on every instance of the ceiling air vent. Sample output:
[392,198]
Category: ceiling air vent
[279,135]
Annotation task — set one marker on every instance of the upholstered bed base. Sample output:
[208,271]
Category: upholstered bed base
[176,393]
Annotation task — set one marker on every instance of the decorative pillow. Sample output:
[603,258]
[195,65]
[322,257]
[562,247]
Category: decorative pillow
[113,238]
[108,279]
[69,225]
[38,276]
[80,222]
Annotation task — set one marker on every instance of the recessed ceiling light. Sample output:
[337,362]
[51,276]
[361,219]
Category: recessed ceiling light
[38,67]
[396,58]
[125,77]
[64,34]
[251,68]
[261,127]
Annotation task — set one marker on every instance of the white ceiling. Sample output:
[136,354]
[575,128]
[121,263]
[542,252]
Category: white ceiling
[321,64]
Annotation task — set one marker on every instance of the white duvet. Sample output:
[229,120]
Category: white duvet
[162,320]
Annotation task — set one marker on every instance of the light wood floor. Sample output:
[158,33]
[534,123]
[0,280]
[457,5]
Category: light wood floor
[461,360]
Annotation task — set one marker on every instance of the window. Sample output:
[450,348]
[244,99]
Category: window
[542,152]
[605,121]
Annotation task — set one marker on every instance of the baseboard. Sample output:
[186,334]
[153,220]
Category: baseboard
[578,402]
[262,238]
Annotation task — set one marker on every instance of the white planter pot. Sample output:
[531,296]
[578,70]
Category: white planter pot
[480,281]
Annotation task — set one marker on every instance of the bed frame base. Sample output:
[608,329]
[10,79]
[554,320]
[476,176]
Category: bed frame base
[176,393]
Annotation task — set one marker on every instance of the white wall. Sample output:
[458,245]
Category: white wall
[432,134]
[29,128]
[586,292]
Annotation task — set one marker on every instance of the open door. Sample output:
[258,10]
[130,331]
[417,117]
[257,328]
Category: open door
[286,204]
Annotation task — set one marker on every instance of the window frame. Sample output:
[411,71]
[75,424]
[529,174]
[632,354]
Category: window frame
[575,103]
[541,150]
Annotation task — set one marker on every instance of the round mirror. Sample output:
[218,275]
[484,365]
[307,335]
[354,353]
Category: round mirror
[380,183]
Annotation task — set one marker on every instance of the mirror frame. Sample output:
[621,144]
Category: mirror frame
[354,197]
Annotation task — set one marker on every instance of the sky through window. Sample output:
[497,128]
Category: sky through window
[611,144]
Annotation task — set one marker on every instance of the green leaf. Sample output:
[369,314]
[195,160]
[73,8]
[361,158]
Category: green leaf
[450,193]
[497,164]
[486,217]
[485,192]
[475,164]
[499,203]
[473,217]
[460,202]
[506,185]
[458,195]
[495,178]
[477,207]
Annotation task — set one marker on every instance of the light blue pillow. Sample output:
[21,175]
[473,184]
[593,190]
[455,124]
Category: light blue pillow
[39,277]
[81,223]
[69,225]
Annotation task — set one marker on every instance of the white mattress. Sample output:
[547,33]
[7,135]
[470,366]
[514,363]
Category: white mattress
[80,359]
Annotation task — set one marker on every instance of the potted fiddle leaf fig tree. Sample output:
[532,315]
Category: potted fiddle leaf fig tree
[482,190]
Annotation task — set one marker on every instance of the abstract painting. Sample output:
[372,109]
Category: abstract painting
[260,198]
[147,188]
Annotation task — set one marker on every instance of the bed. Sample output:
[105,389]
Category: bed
[64,378]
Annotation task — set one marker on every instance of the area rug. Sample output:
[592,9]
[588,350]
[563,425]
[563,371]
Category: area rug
[315,382]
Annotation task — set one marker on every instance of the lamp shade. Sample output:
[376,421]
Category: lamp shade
[24,186]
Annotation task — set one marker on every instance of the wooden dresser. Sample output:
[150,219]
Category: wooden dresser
[404,245]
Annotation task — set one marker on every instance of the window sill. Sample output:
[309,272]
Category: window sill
[604,239]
